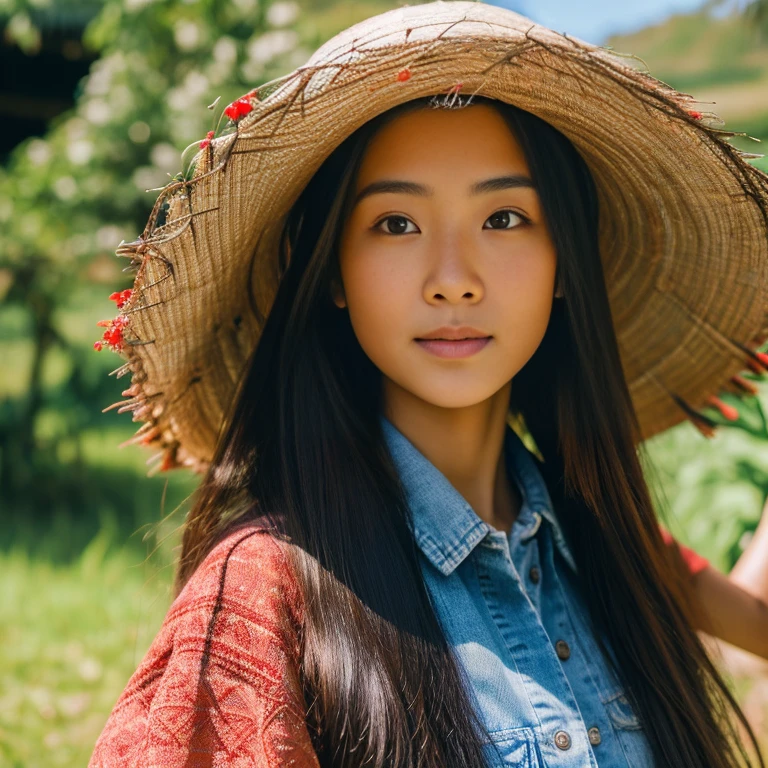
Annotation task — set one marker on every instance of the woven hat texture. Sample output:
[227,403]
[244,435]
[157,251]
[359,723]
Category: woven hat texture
[683,215]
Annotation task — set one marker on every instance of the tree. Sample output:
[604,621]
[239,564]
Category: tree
[67,200]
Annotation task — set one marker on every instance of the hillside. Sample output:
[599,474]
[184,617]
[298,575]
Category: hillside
[715,59]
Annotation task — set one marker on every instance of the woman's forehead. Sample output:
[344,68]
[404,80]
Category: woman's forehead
[443,143]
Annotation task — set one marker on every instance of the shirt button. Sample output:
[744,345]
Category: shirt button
[563,740]
[594,736]
[534,575]
[563,651]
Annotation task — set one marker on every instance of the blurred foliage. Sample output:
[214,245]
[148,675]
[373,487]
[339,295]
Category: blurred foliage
[24,20]
[757,14]
[66,200]
[710,493]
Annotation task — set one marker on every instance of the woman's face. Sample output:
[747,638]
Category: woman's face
[447,231]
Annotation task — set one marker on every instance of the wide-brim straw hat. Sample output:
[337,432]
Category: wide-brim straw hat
[683,215]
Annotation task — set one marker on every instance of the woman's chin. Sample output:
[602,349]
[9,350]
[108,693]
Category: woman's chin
[454,394]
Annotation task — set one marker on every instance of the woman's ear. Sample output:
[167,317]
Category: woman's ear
[558,284]
[337,294]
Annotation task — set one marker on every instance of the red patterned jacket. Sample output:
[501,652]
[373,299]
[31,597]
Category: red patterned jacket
[220,684]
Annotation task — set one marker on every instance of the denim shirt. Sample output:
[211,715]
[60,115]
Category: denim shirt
[512,611]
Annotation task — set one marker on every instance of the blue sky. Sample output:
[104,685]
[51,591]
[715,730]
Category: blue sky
[595,20]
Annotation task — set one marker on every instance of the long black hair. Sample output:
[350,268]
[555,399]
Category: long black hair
[302,451]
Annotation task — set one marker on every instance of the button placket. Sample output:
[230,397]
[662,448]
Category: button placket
[567,728]
[528,564]
[564,739]
[562,711]
[502,543]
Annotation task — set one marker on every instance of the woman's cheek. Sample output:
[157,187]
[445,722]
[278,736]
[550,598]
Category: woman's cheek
[378,325]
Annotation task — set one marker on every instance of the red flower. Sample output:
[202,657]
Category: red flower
[207,140]
[113,335]
[403,75]
[121,297]
[238,109]
[695,115]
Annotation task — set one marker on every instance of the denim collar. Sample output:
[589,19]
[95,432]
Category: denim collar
[446,527]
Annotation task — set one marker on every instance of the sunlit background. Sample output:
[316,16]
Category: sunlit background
[97,102]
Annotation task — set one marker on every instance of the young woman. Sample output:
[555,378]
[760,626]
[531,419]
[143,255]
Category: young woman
[377,571]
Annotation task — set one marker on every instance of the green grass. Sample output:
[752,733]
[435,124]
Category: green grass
[72,635]
[726,75]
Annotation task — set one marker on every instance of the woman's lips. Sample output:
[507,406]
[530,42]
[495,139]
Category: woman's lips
[453,348]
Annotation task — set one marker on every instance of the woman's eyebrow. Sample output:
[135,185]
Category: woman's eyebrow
[395,186]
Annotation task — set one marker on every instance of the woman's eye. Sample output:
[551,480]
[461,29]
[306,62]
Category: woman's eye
[396,225]
[502,219]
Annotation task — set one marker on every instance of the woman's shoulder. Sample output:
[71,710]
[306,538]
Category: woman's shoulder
[221,680]
[247,569]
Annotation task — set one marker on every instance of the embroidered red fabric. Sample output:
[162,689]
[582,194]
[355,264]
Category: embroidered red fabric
[219,686]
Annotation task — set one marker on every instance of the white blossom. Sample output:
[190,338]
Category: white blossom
[38,152]
[187,35]
[79,152]
[282,13]
[65,187]
[139,132]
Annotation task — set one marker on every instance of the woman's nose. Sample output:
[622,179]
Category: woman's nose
[453,275]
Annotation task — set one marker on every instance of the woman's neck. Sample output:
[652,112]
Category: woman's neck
[466,445]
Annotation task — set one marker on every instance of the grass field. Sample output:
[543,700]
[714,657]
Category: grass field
[71,637]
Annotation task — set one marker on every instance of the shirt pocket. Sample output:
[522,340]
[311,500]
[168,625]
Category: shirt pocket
[516,746]
[629,731]
[621,713]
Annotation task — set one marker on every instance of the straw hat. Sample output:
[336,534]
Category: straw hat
[683,216]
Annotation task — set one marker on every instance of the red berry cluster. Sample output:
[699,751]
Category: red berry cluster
[113,335]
